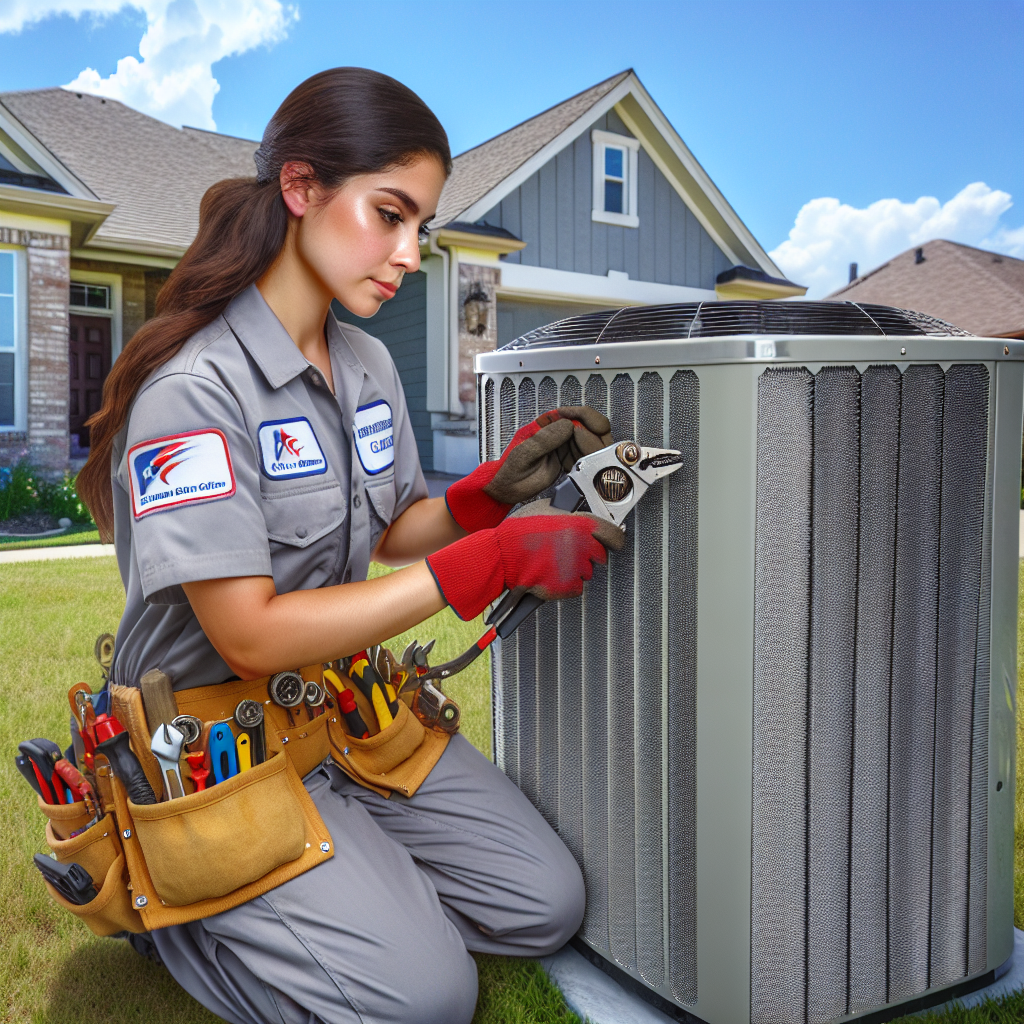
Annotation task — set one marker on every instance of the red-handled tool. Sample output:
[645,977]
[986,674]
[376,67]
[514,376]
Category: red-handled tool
[199,773]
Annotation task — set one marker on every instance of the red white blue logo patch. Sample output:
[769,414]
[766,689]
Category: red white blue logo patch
[179,469]
[373,430]
[289,449]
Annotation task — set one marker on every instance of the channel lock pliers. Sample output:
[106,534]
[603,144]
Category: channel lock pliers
[607,484]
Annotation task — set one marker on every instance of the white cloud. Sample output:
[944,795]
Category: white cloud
[829,235]
[183,40]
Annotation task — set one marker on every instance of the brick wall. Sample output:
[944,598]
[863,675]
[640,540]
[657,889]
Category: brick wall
[46,440]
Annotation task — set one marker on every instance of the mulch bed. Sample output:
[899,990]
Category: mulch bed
[29,523]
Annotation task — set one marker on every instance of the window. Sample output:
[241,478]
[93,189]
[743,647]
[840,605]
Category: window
[91,296]
[10,337]
[615,171]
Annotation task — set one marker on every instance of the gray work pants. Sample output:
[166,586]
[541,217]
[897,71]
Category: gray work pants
[380,932]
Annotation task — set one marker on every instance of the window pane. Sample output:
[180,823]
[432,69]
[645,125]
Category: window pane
[77,294]
[6,273]
[613,196]
[6,389]
[613,162]
[6,321]
[98,296]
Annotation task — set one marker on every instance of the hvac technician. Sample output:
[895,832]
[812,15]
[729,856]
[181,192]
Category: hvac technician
[251,456]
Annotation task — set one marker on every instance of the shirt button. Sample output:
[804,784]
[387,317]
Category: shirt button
[357,501]
[315,378]
[301,531]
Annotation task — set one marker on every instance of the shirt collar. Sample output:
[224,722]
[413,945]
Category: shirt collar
[263,336]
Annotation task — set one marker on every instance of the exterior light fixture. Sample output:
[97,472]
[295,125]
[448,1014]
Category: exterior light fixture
[475,307]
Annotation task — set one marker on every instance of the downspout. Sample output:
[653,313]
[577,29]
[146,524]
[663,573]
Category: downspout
[450,318]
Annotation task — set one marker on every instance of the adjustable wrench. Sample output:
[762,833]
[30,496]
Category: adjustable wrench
[166,746]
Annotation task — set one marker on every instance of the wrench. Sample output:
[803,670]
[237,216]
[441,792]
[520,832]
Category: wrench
[166,746]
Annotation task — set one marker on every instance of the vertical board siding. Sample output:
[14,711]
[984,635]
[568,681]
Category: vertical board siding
[551,212]
[401,324]
[868,874]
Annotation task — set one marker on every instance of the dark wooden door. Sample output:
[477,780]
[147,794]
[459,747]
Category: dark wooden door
[89,364]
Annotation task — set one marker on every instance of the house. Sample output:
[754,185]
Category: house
[595,203]
[980,291]
[97,204]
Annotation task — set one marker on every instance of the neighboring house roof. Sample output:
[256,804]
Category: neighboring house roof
[478,170]
[481,177]
[154,174]
[980,291]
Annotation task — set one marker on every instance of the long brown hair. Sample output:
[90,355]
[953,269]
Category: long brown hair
[341,122]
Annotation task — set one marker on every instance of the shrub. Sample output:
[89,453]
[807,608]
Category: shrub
[23,490]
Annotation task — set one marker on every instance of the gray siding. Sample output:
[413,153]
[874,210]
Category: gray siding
[550,211]
[401,323]
[518,316]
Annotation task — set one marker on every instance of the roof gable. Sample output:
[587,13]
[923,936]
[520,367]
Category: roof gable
[483,176]
[978,290]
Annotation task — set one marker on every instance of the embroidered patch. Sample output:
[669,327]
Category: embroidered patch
[289,448]
[177,470]
[374,434]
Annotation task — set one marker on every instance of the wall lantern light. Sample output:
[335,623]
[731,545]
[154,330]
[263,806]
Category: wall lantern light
[475,308]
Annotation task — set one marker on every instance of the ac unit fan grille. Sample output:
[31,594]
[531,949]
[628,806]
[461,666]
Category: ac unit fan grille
[688,320]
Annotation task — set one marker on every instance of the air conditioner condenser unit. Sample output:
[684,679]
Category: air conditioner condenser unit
[777,730]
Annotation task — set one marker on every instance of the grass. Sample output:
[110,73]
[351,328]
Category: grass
[54,971]
[80,533]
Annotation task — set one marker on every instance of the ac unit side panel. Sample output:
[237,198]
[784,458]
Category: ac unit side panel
[1009,386]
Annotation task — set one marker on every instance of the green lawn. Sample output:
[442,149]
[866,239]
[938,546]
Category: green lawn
[54,971]
[81,534]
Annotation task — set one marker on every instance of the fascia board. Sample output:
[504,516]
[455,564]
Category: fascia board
[59,172]
[544,283]
[142,246]
[46,204]
[123,256]
[546,153]
[743,245]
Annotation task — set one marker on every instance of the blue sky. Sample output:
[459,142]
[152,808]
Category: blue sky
[838,130]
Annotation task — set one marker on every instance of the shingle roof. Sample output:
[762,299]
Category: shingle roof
[981,291]
[155,174]
[478,170]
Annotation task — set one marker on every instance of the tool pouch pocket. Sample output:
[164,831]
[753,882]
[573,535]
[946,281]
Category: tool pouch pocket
[397,759]
[64,818]
[306,745]
[111,911]
[209,844]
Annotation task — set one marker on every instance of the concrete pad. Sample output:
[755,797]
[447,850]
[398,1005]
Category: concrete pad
[68,551]
[1012,980]
[595,997]
[598,999]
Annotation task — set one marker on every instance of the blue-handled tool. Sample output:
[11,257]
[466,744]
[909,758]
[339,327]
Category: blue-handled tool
[223,759]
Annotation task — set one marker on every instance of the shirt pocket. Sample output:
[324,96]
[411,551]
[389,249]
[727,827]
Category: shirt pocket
[300,516]
[382,497]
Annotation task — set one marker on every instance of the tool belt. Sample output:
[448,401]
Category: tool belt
[201,853]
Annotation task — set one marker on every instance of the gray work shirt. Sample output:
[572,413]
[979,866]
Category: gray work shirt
[237,460]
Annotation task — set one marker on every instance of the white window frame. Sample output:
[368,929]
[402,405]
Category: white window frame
[601,141]
[20,341]
[113,282]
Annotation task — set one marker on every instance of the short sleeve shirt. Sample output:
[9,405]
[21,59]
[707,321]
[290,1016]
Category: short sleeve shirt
[237,460]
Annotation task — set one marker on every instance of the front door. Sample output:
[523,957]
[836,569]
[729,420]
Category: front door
[89,364]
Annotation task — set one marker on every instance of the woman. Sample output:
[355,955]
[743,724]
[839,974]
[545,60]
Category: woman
[251,456]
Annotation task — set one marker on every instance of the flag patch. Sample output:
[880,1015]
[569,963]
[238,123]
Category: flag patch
[374,434]
[179,469]
[289,448]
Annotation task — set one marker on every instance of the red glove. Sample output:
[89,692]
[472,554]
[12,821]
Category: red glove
[541,550]
[532,462]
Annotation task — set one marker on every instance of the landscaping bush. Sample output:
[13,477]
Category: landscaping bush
[23,489]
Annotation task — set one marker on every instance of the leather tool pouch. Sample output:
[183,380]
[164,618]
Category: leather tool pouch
[395,760]
[200,854]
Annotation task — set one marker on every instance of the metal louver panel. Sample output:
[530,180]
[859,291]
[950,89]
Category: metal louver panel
[614,676]
[868,849]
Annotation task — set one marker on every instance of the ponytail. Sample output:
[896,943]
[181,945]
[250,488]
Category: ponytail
[341,122]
